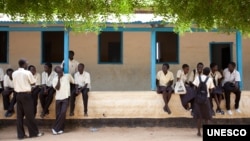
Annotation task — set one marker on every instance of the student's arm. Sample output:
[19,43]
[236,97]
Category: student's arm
[58,84]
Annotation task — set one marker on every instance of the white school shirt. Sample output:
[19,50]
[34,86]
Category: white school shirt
[210,83]
[48,79]
[1,76]
[164,79]
[192,76]
[182,76]
[231,77]
[216,75]
[64,91]
[22,80]
[82,79]
[7,82]
[37,76]
[73,66]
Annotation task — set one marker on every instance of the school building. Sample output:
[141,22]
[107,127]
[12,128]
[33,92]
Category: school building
[123,59]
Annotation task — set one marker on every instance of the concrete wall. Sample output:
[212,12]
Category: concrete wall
[134,73]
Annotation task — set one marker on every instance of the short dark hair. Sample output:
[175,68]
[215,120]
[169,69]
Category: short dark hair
[81,64]
[206,71]
[71,51]
[48,64]
[185,66]
[21,62]
[212,65]
[166,64]
[31,66]
[200,63]
[232,63]
[9,69]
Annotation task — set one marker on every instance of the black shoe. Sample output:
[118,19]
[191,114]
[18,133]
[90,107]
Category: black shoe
[24,137]
[8,114]
[71,114]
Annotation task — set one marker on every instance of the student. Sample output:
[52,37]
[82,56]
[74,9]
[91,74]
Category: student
[1,80]
[231,83]
[35,88]
[22,82]
[73,64]
[62,85]
[82,82]
[47,90]
[203,111]
[164,82]
[217,93]
[182,75]
[195,73]
[8,90]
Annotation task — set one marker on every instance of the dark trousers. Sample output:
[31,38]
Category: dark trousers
[85,98]
[25,108]
[46,98]
[8,103]
[61,109]
[228,89]
[35,91]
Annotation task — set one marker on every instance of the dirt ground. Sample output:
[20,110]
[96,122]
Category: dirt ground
[109,134]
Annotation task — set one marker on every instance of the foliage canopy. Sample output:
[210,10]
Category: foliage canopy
[84,15]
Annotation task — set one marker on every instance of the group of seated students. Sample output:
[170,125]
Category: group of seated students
[225,82]
[44,90]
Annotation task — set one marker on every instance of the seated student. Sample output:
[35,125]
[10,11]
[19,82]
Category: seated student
[202,111]
[231,83]
[195,73]
[182,75]
[217,93]
[82,83]
[8,90]
[164,82]
[35,88]
[47,90]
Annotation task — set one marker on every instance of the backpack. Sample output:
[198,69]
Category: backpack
[201,93]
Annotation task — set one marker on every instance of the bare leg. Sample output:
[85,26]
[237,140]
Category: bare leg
[199,127]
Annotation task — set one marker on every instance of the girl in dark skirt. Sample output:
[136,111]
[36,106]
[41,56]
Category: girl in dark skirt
[217,93]
[203,111]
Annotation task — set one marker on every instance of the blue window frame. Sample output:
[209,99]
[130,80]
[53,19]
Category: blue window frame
[4,39]
[167,47]
[110,47]
[52,46]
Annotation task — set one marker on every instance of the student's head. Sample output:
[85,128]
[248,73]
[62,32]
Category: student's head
[185,68]
[231,66]
[32,69]
[47,67]
[9,72]
[165,67]
[206,71]
[59,70]
[23,63]
[200,67]
[213,67]
[81,68]
[71,55]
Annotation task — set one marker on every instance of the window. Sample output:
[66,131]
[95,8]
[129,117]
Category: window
[167,47]
[3,46]
[110,47]
[52,46]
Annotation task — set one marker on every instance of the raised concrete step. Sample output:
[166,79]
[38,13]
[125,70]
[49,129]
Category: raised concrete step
[134,104]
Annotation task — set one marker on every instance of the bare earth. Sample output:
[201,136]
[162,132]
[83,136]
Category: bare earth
[110,134]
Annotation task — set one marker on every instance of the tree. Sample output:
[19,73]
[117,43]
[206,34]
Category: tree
[90,15]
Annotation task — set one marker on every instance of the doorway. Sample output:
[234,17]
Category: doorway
[221,53]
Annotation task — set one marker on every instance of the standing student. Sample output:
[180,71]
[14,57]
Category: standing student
[22,81]
[35,88]
[82,82]
[47,90]
[195,73]
[203,111]
[73,64]
[217,93]
[231,83]
[164,82]
[8,90]
[62,85]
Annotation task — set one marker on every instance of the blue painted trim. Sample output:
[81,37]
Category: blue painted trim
[121,50]
[66,51]
[153,60]
[239,56]
[32,29]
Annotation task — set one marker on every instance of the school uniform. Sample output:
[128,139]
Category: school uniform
[164,79]
[218,89]
[22,80]
[36,90]
[228,82]
[8,103]
[61,97]
[47,98]
[203,111]
[81,80]
[73,66]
